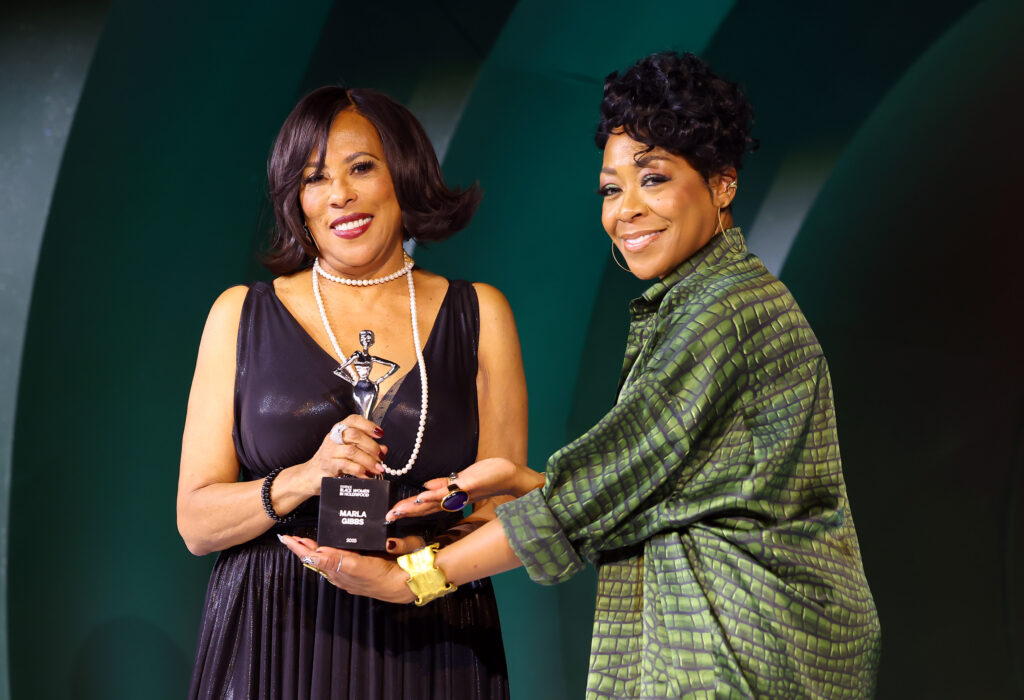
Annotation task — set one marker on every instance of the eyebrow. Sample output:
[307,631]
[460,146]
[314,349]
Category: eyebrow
[647,160]
[348,159]
[359,154]
[641,163]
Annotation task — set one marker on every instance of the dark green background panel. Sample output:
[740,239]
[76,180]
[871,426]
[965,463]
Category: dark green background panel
[152,216]
[908,268]
[887,176]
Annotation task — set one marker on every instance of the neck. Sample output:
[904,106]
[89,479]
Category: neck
[389,261]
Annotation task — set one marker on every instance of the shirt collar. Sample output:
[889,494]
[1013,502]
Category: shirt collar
[730,243]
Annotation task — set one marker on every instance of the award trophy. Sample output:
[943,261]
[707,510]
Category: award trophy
[352,510]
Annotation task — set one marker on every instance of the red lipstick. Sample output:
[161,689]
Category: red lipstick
[351,225]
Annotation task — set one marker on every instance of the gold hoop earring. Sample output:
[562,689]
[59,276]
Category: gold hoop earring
[735,246]
[617,261]
[310,239]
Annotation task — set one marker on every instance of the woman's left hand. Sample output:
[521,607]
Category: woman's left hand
[484,479]
[372,576]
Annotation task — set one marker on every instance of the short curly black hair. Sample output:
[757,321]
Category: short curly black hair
[674,101]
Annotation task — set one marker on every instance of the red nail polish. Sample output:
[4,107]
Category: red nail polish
[378,432]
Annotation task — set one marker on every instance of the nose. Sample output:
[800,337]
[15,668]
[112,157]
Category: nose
[342,193]
[630,205]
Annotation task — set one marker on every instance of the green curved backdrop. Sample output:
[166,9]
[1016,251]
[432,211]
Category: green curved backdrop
[884,194]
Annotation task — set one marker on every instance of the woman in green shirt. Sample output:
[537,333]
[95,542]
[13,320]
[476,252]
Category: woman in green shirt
[710,497]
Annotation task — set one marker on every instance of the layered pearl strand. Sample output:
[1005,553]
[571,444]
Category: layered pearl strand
[352,282]
[406,270]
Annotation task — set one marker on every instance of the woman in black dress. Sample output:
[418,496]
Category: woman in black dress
[352,175]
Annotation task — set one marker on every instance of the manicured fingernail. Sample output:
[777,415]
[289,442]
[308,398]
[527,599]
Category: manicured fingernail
[391,546]
[280,538]
[378,432]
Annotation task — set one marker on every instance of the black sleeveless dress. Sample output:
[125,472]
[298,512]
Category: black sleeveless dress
[275,630]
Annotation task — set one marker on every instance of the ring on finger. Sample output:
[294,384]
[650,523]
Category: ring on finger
[338,433]
[456,499]
[308,562]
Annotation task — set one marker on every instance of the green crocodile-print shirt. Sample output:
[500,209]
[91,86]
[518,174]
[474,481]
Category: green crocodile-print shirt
[711,499]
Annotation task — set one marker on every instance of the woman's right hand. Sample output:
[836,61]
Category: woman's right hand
[358,454]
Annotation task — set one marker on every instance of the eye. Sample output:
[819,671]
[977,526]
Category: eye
[363,166]
[312,178]
[652,179]
[608,190]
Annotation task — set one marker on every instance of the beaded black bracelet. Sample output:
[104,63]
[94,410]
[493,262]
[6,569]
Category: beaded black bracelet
[268,506]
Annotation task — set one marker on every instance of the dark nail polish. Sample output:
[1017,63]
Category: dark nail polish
[378,432]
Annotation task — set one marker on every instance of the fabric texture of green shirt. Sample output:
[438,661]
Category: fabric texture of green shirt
[711,500]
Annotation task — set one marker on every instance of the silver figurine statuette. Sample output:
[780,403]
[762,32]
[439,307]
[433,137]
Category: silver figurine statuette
[364,390]
[352,510]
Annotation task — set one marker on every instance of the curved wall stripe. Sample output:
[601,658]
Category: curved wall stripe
[45,54]
[908,267]
[800,177]
[527,135]
[153,214]
[813,76]
[524,131]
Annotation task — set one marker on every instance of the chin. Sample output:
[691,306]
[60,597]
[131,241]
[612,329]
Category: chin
[645,271]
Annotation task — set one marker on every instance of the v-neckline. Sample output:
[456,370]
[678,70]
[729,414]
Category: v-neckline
[392,391]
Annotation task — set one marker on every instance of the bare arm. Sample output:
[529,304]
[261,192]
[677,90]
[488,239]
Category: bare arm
[482,553]
[215,510]
[501,394]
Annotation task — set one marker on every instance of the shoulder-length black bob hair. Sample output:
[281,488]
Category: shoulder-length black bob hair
[431,211]
[674,101]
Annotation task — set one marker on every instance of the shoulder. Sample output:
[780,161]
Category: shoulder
[494,307]
[221,330]
[743,290]
[227,307]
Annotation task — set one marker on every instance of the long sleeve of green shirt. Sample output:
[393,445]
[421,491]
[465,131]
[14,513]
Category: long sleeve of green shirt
[712,501]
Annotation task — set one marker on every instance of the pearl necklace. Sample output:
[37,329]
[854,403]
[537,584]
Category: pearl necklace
[319,272]
[365,283]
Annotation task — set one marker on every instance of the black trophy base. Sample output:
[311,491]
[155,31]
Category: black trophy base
[352,513]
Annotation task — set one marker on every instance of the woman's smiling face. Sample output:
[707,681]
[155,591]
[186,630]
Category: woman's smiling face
[350,205]
[656,208]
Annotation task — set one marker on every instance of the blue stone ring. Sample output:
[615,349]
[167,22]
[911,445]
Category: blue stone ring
[456,499]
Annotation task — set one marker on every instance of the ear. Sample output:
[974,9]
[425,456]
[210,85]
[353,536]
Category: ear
[723,187]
